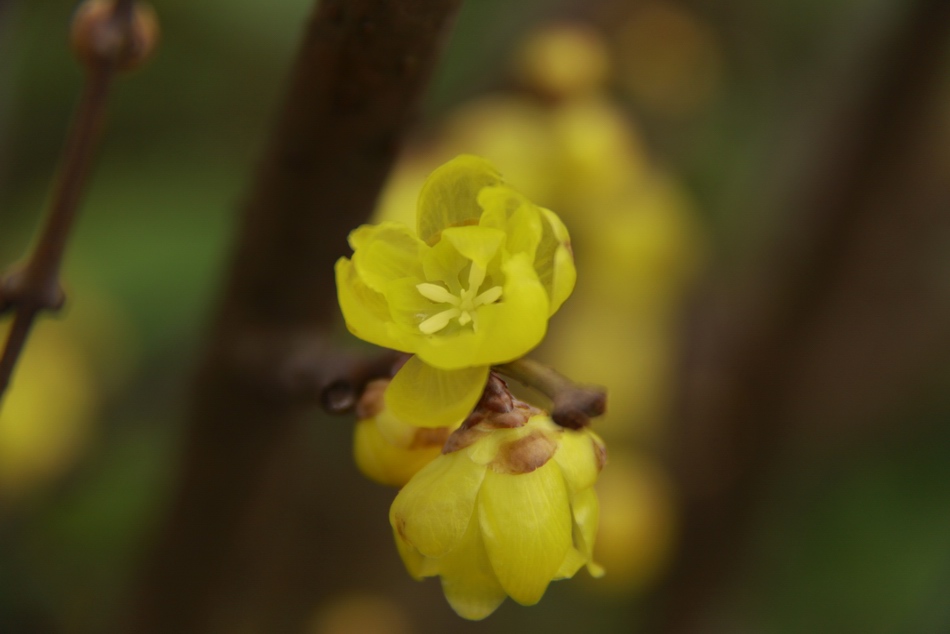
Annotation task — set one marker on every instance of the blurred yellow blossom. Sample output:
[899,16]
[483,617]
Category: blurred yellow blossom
[361,613]
[503,512]
[637,521]
[46,414]
[564,60]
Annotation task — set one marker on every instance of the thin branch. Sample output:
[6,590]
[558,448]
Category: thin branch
[573,405]
[106,40]
[309,368]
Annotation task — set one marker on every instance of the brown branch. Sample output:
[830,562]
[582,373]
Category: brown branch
[734,397]
[354,88]
[573,405]
[311,369]
[106,39]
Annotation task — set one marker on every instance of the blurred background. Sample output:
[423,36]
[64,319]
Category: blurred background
[759,200]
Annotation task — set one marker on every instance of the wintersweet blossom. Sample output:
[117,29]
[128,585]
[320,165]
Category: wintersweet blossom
[386,449]
[502,512]
[473,285]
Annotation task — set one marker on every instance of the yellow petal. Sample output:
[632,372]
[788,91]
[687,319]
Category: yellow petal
[418,565]
[386,463]
[505,330]
[554,261]
[424,396]
[518,217]
[579,458]
[449,197]
[585,508]
[526,525]
[477,244]
[432,512]
[386,252]
[364,310]
[571,564]
[468,581]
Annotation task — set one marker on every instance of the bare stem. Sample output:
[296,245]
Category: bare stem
[573,405]
[33,287]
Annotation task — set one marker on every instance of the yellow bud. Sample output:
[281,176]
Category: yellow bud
[502,513]
[386,449]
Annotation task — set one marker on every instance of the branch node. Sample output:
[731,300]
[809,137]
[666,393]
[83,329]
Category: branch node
[21,288]
[573,405]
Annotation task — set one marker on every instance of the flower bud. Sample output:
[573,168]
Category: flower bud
[507,508]
[386,449]
[101,37]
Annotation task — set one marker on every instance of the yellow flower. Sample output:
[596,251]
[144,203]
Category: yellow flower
[503,512]
[473,286]
[386,449]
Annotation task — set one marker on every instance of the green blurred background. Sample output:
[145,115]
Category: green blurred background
[672,137]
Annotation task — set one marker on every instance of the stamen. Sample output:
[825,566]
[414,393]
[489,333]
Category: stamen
[439,321]
[437,294]
[476,275]
[464,304]
[490,296]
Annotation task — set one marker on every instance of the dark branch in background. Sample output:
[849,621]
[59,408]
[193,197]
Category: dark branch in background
[573,405]
[309,369]
[733,398]
[107,38]
[354,88]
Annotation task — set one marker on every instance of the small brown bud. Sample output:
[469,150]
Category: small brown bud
[100,36]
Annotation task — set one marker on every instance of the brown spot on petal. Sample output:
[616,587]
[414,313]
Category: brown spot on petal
[371,401]
[524,455]
[401,527]
[429,437]
[463,437]
[600,453]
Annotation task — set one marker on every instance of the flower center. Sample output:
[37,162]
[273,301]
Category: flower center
[463,305]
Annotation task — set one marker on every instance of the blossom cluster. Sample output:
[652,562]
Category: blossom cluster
[495,500]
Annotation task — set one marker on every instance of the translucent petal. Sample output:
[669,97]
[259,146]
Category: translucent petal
[468,581]
[424,396]
[585,508]
[526,524]
[364,310]
[449,197]
[518,217]
[477,244]
[578,458]
[506,330]
[386,252]
[432,512]
[554,260]
[571,564]
[393,430]
[443,263]
[418,565]
[384,462]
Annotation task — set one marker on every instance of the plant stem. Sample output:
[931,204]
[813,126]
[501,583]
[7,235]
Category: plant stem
[573,405]
[34,286]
